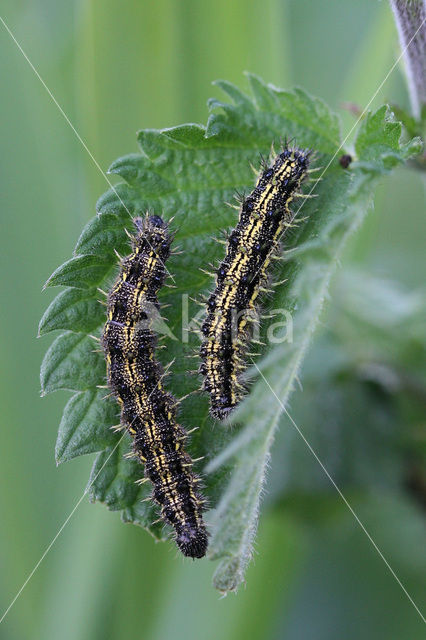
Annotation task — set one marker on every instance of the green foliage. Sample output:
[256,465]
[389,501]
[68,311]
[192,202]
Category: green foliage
[366,360]
[190,172]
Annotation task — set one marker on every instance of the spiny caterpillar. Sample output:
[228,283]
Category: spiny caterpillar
[241,277]
[148,412]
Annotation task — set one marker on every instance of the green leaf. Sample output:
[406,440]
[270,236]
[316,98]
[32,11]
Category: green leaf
[345,206]
[381,322]
[412,126]
[191,172]
[73,309]
[72,362]
[86,425]
[378,143]
[113,482]
[366,365]
[83,272]
[103,234]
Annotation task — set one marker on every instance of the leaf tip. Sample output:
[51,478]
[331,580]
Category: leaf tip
[59,458]
[41,327]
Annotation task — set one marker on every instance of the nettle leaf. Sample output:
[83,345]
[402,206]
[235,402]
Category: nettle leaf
[378,143]
[190,172]
[113,482]
[84,271]
[86,425]
[72,363]
[73,309]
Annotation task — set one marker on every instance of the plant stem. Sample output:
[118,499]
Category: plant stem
[409,16]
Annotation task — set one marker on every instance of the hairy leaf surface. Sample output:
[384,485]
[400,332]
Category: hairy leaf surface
[190,172]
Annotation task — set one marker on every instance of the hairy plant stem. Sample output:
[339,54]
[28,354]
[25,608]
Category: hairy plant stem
[409,16]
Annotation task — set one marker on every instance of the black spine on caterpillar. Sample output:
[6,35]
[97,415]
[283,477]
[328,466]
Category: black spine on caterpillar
[148,412]
[264,217]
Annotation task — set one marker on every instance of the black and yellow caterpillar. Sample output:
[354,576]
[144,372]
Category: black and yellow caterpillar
[148,411]
[241,277]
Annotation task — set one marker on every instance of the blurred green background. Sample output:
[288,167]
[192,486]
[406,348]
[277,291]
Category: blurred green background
[116,67]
